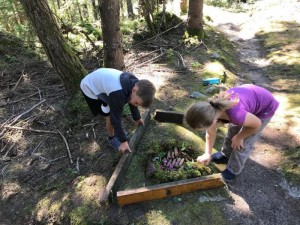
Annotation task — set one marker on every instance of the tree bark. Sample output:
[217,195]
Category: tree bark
[130,9]
[60,54]
[95,11]
[112,39]
[195,17]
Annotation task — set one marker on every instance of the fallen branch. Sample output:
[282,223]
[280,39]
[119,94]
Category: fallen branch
[21,99]
[68,149]
[32,130]
[24,113]
[156,36]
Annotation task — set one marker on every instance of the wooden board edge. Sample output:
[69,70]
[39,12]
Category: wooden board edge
[120,170]
[169,189]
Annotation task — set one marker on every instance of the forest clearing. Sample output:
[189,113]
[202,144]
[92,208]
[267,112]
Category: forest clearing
[55,158]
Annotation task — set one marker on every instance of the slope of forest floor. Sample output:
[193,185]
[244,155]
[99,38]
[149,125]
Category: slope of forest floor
[41,126]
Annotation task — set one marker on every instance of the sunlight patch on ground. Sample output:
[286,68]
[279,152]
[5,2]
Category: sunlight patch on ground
[87,189]
[51,207]
[214,67]
[288,57]
[240,205]
[285,119]
[266,155]
[9,189]
[262,62]
[155,217]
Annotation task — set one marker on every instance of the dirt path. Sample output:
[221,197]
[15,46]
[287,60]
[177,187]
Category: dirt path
[258,194]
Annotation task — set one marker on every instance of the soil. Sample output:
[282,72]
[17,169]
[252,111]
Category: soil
[35,165]
[259,193]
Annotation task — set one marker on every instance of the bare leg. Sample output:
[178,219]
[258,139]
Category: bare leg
[109,128]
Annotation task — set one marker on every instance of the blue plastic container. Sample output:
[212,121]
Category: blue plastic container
[211,81]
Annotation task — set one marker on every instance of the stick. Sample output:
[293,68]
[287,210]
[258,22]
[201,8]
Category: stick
[29,129]
[10,103]
[27,111]
[9,150]
[17,82]
[77,165]
[159,34]
[37,146]
[68,149]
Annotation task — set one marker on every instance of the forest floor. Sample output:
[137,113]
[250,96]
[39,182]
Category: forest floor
[40,123]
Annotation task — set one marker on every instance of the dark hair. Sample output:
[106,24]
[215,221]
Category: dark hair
[146,91]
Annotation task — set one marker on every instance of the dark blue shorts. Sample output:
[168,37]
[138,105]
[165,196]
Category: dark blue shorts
[97,106]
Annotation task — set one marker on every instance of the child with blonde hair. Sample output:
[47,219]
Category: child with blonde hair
[248,109]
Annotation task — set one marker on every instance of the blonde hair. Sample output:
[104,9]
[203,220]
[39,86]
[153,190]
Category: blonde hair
[201,114]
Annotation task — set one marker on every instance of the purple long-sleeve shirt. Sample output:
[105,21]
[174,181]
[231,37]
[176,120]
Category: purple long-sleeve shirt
[253,99]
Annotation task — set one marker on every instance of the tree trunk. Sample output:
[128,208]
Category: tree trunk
[130,9]
[195,18]
[57,49]
[147,12]
[112,39]
[95,11]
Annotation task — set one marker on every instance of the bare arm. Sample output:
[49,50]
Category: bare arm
[251,125]
[210,138]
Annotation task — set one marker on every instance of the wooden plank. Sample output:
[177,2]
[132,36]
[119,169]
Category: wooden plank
[169,116]
[121,169]
[169,189]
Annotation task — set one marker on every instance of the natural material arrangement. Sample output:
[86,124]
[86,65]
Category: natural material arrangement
[174,163]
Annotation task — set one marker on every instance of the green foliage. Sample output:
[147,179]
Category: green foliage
[163,21]
[80,215]
[129,26]
[157,153]
[89,29]
[170,55]
[77,104]
[190,39]
[126,110]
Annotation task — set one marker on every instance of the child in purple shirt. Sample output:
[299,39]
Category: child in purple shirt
[248,109]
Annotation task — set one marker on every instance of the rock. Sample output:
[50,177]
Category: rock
[197,95]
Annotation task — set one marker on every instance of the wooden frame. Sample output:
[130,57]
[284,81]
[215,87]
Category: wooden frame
[156,191]
[169,189]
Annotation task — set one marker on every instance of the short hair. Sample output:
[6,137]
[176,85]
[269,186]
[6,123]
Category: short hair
[146,91]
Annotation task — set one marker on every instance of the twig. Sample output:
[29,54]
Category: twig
[10,148]
[53,160]
[3,170]
[21,99]
[2,150]
[159,34]
[29,129]
[151,60]
[39,144]
[68,149]
[17,82]
[181,58]
[77,165]
[27,111]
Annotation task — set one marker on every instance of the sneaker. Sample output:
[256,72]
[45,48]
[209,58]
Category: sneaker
[227,175]
[219,157]
[114,142]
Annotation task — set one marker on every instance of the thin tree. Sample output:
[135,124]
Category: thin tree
[60,54]
[195,18]
[130,9]
[112,39]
